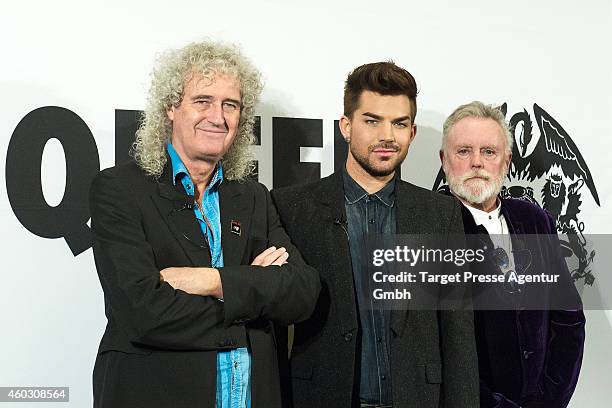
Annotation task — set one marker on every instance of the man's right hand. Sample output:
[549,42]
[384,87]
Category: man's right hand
[194,280]
[271,256]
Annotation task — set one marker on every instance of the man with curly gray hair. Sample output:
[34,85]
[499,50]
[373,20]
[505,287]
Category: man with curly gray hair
[191,256]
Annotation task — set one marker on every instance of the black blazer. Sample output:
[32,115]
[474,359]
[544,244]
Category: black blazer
[160,344]
[433,353]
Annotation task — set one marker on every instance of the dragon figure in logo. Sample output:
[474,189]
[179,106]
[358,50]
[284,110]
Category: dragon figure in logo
[554,160]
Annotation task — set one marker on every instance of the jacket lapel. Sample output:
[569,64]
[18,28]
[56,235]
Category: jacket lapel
[176,208]
[236,205]
[329,197]
[515,226]
[520,243]
[408,221]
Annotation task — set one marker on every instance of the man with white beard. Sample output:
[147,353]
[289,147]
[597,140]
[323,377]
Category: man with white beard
[526,358]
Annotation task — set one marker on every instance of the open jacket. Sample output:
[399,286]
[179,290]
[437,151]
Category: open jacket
[433,353]
[529,358]
[160,345]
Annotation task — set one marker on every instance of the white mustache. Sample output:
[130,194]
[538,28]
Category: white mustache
[483,174]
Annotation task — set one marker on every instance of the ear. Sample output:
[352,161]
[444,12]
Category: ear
[170,113]
[441,154]
[508,159]
[345,127]
[414,132]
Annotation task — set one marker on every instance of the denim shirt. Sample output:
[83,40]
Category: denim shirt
[370,214]
[234,366]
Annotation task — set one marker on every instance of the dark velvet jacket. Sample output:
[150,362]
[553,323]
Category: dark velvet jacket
[529,358]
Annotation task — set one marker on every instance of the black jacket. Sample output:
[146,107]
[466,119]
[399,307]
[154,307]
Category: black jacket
[433,353]
[160,344]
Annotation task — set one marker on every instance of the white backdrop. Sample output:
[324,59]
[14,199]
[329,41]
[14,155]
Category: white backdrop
[94,58]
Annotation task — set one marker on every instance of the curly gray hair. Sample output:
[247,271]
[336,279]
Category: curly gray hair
[174,69]
[476,109]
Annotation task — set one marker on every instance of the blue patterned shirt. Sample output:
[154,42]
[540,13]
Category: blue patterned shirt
[234,366]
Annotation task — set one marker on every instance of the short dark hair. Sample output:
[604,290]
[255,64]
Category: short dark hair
[384,78]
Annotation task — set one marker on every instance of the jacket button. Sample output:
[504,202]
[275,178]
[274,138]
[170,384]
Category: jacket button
[348,336]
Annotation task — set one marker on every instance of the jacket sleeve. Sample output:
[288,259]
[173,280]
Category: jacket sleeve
[286,294]
[565,338]
[563,358]
[148,313]
[490,399]
[157,316]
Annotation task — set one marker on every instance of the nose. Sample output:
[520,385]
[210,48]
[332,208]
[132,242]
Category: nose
[386,133]
[214,114]
[476,160]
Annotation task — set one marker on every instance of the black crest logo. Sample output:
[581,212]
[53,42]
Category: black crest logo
[548,170]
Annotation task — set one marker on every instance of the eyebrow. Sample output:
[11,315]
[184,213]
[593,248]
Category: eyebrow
[468,146]
[378,117]
[233,100]
[203,96]
[402,118]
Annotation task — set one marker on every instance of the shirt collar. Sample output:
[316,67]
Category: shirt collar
[480,215]
[353,192]
[179,170]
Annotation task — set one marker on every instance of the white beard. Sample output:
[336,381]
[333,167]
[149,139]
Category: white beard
[476,190]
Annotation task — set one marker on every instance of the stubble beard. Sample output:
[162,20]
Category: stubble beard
[366,164]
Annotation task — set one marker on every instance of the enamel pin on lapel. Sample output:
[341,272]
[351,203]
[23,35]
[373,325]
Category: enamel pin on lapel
[235,227]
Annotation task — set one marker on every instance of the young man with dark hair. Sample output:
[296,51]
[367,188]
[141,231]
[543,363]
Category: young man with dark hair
[350,354]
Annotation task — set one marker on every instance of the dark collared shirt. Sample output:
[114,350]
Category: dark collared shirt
[370,214]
